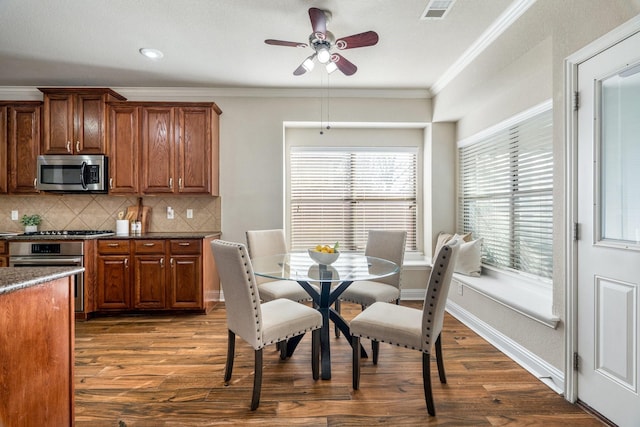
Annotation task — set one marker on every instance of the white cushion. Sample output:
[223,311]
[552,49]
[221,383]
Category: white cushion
[390,323]
[366,292]
[443,238]
[469,260]
[288,289]
[283,318]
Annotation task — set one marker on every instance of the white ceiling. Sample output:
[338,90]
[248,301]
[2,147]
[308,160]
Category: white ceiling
[220,43]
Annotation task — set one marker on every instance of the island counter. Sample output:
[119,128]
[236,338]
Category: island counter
[36,346]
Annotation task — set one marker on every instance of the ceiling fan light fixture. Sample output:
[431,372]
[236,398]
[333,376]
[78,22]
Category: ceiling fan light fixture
[151,53]
[331,67]
[323,54]
[308,63]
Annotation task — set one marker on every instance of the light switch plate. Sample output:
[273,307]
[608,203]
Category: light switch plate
[189,213]
[14,215]
[169,212]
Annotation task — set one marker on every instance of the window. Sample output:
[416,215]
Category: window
[505,194]
[339,194]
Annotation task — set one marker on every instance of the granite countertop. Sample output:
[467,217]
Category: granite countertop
[16,278]
[167,235]
[156,235]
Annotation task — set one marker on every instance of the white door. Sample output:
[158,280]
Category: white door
[608,252]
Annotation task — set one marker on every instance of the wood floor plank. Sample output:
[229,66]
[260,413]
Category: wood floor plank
[162,371]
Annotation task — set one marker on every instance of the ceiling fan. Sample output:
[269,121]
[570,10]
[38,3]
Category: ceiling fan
[322,42]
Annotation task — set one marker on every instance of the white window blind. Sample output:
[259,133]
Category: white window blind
[339,194]
[505,195]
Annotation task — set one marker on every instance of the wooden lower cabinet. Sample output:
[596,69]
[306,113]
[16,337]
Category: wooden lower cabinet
[149,274]
[165,275]
[4,253]
[113,275]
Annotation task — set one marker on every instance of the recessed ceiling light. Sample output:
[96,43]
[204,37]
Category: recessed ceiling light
[151,53]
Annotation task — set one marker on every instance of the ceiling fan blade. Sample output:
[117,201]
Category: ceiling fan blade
[347,67]
[318,22]
[284,43]
[368,38]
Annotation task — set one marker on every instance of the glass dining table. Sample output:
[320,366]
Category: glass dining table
[331,280]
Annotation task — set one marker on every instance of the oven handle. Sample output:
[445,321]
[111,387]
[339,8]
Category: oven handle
[38,261]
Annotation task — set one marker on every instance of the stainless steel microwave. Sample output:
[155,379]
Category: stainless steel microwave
[73,173]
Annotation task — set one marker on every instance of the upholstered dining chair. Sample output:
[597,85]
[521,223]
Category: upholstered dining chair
[410,327]
[272,242]
[380,244]
[259,324]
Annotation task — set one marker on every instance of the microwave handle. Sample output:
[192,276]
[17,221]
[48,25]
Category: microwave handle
[82,169]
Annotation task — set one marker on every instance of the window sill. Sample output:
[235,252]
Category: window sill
[534,300]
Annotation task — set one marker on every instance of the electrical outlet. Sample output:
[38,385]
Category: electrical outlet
[169,212]
[460,288]
[14,215]
[189,213]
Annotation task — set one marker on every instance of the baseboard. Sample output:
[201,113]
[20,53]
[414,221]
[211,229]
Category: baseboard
[545,372]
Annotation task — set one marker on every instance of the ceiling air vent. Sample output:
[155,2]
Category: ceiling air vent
[437,9]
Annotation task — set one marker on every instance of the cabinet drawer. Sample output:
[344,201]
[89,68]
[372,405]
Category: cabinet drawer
[186,246]
[113,246]
[3,247]
[149,246]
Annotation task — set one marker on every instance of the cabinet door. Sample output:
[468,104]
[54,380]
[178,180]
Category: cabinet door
[4,148]
[149,287]
[24,147]
[89,123]
[123,149]
[4,259]
[58,124]
[114,290]
[194,150]
[158,154]
[186,281]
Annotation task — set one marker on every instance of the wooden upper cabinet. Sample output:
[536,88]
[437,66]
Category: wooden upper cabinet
[23,146]
[158,149]
[75,120]
[4,146]
[123,141]
[180,148]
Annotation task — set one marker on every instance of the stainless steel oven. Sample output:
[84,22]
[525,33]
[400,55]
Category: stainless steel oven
[51,254]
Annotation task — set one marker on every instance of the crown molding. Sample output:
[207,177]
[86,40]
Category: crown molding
[194,94]
[499,26]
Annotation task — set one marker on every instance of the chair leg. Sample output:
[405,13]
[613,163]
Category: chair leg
[355,344]
[426,380]
[375,349]
[440,361]
[231,348]
[315,353]
[282,346]
[257,380]
[336,306]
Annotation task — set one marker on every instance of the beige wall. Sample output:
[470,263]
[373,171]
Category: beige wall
[495,87]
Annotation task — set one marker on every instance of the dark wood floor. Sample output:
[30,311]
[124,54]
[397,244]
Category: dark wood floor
[168,371]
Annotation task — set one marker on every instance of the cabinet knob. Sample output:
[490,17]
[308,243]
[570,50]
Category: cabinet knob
[180,183]
[111,183]
[171,262]
[126,263]
[161,262]
[35,182]
[170,182]
[77,146]
[68,146]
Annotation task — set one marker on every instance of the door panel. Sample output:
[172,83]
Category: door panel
[608,251]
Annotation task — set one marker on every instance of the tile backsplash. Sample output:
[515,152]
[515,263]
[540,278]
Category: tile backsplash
[99,212]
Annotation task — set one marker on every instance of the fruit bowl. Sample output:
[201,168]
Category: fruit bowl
[323,257]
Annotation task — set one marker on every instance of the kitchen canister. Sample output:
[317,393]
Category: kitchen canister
[122,227]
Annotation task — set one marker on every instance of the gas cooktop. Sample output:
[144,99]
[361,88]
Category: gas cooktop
[70,233]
